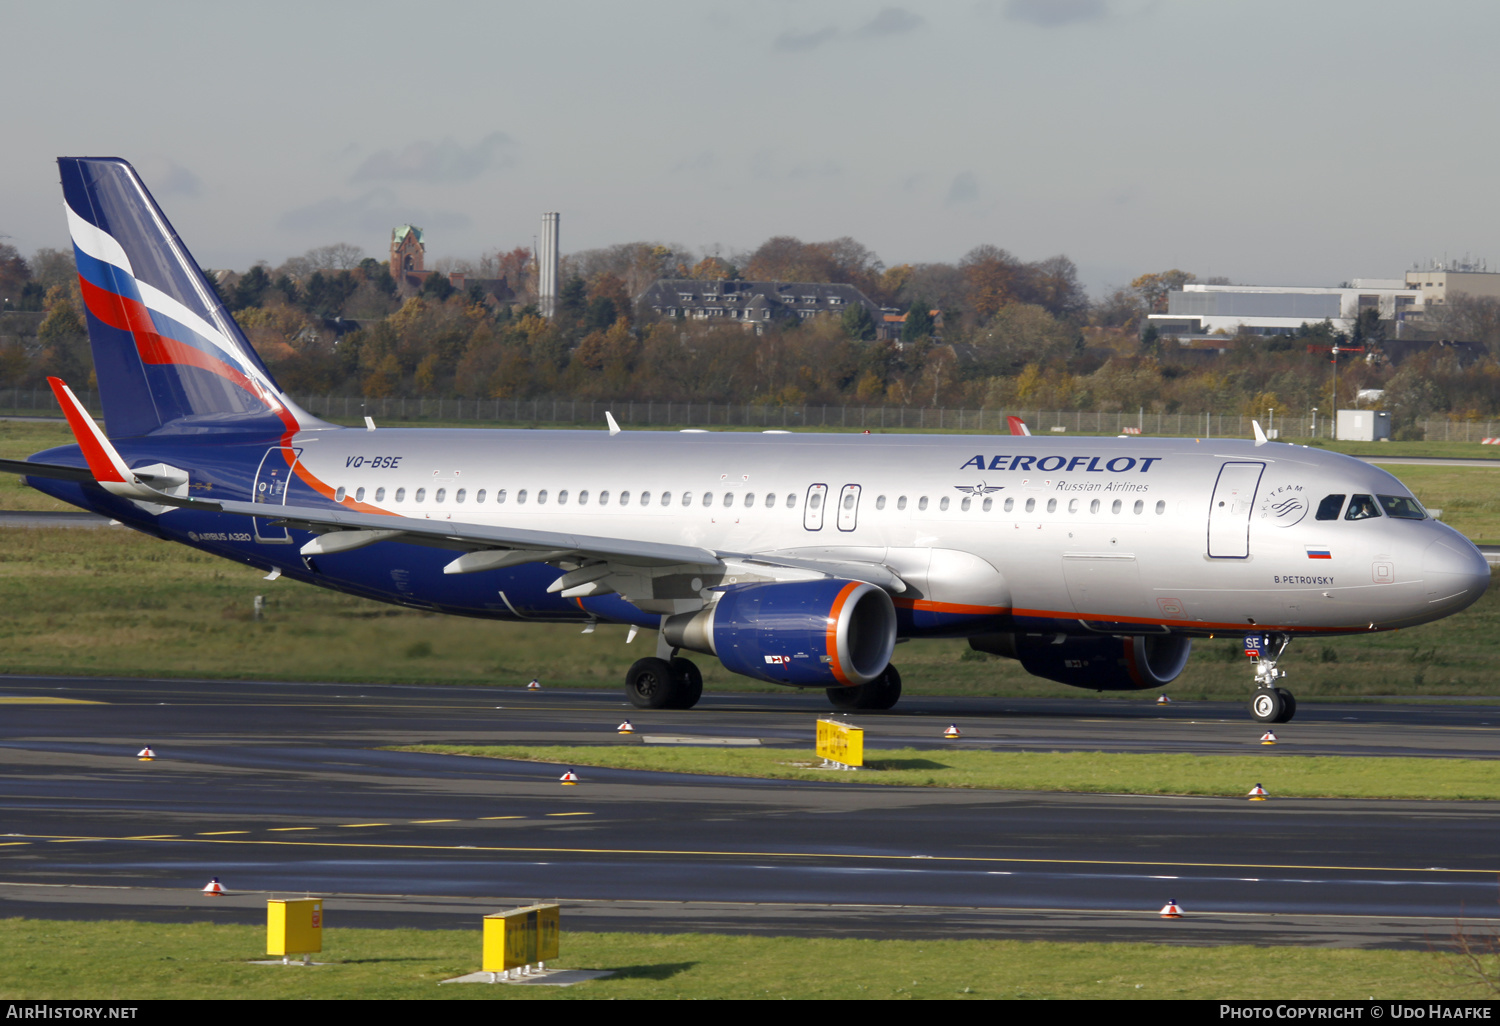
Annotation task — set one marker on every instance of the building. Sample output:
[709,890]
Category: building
[1438,285]
[754,304]
[1200,310]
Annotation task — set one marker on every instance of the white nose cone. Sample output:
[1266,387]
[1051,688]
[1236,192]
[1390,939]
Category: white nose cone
[1455,573]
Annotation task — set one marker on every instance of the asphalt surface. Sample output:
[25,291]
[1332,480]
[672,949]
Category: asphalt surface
[281,789]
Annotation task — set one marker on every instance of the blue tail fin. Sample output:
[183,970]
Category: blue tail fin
[167,354]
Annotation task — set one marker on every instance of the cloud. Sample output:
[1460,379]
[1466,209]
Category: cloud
[1049,13]
[168,179]
[792,42]
[965,188]
[374,212]
[891,21]
[438,163]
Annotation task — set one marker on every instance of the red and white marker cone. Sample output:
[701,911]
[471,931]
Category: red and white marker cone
[1163,700]
[535,685]
[952,733]
[1268,738]
[214,887]
[145,754]
[570,777]
[1258,794]
[626,728]
[1171,910]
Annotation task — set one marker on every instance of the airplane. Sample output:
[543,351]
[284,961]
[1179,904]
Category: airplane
[795,558]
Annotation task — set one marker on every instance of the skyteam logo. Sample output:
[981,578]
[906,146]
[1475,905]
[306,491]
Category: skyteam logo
[1283,507]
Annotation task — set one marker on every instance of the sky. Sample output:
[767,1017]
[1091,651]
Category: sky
[1267,141]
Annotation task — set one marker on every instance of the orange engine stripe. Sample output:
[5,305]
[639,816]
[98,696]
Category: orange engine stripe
[832,634]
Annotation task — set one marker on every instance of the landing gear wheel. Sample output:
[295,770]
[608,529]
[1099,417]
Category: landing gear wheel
[689,683]
[1266,705]
[651,684]
[1288,705]
[881,693]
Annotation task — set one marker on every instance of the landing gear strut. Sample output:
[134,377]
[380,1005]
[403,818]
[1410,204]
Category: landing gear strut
[661,684]
[881,693]
[1271,704]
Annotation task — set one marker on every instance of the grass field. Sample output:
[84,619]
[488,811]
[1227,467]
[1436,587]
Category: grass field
[113,601]
[1284,776]
[139,961]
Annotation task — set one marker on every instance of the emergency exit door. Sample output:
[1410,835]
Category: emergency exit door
[1229,511]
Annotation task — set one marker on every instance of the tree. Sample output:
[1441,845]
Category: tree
[437,287]
[251,289]
[858,324]
[993,278]
[1153,288]
[919,322]
[1055,287]
[1150,341]
[15,273]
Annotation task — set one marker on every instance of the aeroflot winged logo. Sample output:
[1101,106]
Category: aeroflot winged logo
[1066,464]
[980,489]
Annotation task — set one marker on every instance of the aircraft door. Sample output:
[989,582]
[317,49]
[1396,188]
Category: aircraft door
[848,507]
[812,507]
[1229,511]
[270,488]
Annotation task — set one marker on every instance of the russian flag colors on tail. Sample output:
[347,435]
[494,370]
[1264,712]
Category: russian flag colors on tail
[167,354]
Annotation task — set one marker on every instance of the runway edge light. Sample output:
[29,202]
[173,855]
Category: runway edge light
[1258,794]
[952,733]
[294,926]
[569,777]
[1268,738]
[214,887]
[145,754]
[1171,910]
[626,728]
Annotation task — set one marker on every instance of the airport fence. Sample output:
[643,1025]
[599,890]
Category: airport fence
[636,413]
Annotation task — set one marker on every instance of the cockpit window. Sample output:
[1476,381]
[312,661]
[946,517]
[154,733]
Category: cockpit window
[1362,507]
[1329,508]
[1402,507]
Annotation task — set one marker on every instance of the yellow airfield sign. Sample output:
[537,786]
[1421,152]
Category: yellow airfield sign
[841,743]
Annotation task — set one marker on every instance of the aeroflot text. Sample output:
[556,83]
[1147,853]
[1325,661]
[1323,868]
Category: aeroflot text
[1046,464]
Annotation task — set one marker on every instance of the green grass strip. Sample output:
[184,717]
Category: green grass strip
[138,961]
[1287,776]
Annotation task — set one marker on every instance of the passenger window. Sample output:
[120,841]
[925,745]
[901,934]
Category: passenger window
[849,501]
[624,498]
[583,497]
[604,497]
[338,494]
[922,502]
[815,500]
[359,495]
[1051,505]
[1094,506]
[1010,504]
[880,502]
[521,497]
[1030,505]
[400,494]
[708,498]
[687,498]
[943,504]
[770,500]
[728,499]
[749,499]
[1329,508]
[562,497]
[645,498]
[1114,507]
[666,498]
[541,497]
[791,501]
[989,504]
[1072,505]
[901,502]
[421,495]
[966,503]
[380,495]
[479,495]
[500,497]
[442,493]
[1140,507]
[461,495]
[1362,507]
[1402,507]
[1161,506]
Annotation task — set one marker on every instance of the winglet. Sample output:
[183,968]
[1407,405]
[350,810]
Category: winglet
[614,428]
[104,462]
[1017,426]
[1260,436]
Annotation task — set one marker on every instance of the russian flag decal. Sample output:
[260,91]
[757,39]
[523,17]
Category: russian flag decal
[1318,552]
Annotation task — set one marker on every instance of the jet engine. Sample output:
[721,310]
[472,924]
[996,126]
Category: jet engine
[1102,662]
[823,633]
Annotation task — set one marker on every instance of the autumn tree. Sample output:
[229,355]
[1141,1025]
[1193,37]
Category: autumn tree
[857,322]
[919,324]
[993,278]
[1153,288]
[15,273]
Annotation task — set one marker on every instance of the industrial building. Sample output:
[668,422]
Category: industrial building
[1200,310]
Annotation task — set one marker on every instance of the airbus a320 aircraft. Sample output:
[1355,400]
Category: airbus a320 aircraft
[800,559]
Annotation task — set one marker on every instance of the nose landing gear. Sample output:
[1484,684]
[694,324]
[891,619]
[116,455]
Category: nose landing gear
[1271,704]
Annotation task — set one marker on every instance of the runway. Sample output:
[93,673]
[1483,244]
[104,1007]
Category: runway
[281,789]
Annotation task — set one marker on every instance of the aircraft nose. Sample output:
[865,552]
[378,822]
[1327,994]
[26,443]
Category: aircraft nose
[1455,573]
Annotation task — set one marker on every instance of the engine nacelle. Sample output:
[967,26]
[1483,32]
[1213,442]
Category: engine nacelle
[822,633]
[1101,662]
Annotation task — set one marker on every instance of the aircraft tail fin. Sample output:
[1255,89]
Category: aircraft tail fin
[1017,426]
[167,354]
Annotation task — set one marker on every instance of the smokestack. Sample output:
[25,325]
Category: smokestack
[547,265]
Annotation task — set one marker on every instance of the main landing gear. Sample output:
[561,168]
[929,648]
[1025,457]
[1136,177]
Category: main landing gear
[664,684]
[881,693]
[1271,704]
